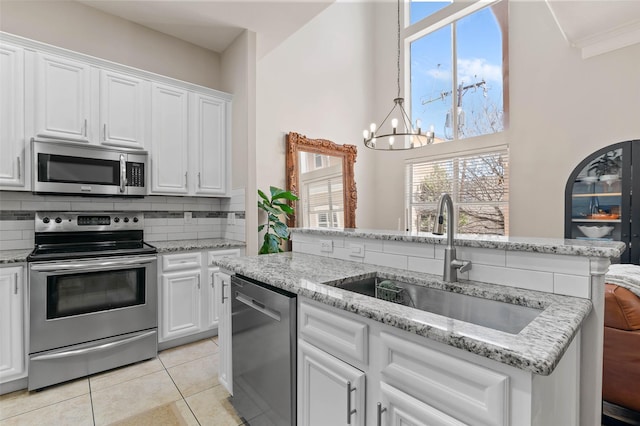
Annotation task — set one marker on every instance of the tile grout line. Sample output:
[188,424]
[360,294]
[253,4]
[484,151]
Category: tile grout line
[180,392]
[93,413]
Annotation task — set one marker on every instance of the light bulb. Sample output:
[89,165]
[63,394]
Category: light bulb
[394,123]
[372,127]
[431,129]
[419,123]
[391,141]
[365,134]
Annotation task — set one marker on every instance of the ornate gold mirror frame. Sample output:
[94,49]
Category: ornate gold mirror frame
[296,143]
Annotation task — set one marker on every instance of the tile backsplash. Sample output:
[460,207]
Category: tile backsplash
[164,215]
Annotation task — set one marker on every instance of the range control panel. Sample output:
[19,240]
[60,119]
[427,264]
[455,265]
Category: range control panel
[80,222]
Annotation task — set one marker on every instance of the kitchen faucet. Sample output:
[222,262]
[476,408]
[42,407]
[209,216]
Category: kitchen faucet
[451,264]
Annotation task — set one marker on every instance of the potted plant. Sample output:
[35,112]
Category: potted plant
[275,206]
[606,167]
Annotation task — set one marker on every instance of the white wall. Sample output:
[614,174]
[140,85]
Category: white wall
[238,77]
[80,28]
[562,109]
[318,83]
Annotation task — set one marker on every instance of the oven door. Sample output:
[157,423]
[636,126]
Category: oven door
[75,301]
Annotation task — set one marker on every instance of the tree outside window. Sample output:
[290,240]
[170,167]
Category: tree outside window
[478,185]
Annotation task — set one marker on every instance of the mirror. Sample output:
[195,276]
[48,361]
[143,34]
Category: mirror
[320,172]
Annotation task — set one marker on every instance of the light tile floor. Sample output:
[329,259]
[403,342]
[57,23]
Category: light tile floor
[179,387]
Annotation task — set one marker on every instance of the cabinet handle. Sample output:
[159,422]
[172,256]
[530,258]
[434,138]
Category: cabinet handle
[19,174]
[15,287]
[84,129]
[186,179]
[199,185]
[380,411]
[104,138]
[212,274]
[198,282]
[349,410]
[222,291]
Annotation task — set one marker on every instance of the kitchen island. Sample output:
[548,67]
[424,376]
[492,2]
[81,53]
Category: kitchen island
[563,278]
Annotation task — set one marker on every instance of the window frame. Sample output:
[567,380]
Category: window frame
[455,158]
[448,15]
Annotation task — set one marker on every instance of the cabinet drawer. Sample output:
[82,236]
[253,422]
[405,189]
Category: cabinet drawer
[180,261]
[342,337]
[473,394]
[217,254]
[403,409]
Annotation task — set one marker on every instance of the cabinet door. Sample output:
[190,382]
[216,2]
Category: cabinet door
[62,98]
[12,142]
[400,409]
[212,308]
[123,103]
[169,140]
[330,391]
[12,325]
[223,284]
[180,313]
[209,144]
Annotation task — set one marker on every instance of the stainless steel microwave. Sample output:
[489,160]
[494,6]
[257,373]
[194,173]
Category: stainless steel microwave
[71,168]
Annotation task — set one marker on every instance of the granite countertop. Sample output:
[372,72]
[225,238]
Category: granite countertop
[595,248]
[14,256]
[17,256]
[204,244]
[537,348]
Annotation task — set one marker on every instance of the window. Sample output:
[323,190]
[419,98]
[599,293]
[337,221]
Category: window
[479,188]
[458,82]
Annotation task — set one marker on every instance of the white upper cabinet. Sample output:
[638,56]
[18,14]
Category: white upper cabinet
[188,157]
[169,140]
[208,144]
[62,98]
[12,141]
[124,101]
[51,93]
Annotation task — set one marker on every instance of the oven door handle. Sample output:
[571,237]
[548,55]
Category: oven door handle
[84,351]
[92,265]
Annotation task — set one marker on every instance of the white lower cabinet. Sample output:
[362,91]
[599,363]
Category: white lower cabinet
[330,392]
[189,293]
[225,376]
[12,324]
[414,381]
[181,300]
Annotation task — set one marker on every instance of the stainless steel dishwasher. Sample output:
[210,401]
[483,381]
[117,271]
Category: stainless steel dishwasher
[263,325]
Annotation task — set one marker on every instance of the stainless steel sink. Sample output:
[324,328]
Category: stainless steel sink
[476,310]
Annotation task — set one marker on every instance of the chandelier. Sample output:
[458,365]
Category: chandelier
[399,134]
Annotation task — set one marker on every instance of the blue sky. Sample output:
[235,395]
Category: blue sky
[479,56]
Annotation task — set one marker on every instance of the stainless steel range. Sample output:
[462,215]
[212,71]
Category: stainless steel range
[92,295]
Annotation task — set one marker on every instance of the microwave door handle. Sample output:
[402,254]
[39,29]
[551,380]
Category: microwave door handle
[93,266]
[123,173]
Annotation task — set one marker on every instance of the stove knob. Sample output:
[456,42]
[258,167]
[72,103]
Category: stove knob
[126,220]
[46,220]
[135,220]
[58,220]
[116,220]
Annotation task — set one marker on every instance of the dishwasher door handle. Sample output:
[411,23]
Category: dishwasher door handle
[258,306]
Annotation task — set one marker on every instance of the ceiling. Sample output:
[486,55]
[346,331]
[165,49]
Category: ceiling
[215,24]
[598,26]
[594,26]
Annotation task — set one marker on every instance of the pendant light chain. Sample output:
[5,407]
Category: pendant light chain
[398,52]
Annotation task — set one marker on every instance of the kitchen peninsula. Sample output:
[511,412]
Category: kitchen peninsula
[432,366]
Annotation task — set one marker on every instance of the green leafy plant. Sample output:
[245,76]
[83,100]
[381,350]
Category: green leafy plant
[275,207]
